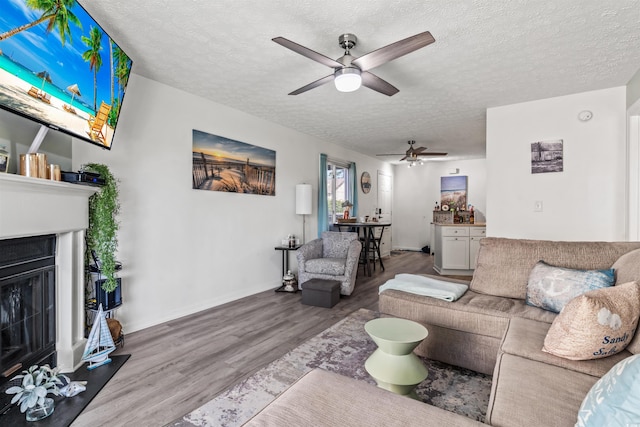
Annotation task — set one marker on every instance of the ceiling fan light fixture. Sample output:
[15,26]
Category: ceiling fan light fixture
[347,79]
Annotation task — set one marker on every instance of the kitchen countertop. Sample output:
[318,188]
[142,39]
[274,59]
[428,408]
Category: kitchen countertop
[477,224]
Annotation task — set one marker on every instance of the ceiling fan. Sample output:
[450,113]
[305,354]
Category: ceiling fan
[414,154]
[350,72]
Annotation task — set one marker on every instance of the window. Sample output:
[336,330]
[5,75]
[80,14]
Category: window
[338,189]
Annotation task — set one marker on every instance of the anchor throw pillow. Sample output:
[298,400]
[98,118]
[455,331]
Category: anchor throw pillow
[596,324]
[551,287]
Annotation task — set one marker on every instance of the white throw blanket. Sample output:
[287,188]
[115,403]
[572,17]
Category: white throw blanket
[426,286]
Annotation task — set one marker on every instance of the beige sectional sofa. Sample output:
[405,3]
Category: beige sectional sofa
[491,330]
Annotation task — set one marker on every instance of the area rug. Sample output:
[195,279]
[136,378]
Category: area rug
[343,349]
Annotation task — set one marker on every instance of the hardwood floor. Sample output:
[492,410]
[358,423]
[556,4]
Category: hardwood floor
[177,366]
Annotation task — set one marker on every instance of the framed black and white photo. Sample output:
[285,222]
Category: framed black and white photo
[547,156]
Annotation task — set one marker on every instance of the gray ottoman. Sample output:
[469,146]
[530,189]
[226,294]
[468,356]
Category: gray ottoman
[321,293]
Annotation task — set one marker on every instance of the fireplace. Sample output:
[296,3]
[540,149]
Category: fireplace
[33,207]
[27,306]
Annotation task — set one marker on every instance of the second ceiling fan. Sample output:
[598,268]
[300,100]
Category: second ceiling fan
[414,154]
[350,72]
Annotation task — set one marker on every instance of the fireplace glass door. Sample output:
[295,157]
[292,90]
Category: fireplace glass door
[27,304]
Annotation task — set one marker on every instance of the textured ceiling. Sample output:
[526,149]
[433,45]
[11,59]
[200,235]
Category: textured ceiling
[487,53]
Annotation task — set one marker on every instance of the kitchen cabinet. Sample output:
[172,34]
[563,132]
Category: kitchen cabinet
[475,235]
[457,248]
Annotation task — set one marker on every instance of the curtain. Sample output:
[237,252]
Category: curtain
[323,208]
[353,177]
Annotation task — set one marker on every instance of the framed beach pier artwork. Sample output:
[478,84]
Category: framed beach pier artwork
[453,192]
[223,164]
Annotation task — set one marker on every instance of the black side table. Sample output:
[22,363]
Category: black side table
[285,260]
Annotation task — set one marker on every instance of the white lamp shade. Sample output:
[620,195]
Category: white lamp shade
[347,79]
[303,199]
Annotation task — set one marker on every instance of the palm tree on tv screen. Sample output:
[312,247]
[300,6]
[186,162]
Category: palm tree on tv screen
[56,13]
[92,56]
[122,66]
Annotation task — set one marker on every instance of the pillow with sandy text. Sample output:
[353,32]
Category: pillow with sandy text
[596,324]
[550,287]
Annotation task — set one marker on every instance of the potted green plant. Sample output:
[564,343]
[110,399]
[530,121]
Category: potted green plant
[103,227]
[37,382]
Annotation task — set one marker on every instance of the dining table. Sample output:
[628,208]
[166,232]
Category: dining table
[366,233]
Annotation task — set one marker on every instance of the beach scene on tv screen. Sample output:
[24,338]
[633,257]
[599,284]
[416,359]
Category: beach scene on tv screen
[59,67]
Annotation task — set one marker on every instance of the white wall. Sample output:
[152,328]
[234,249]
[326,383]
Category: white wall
[633,89]
[416,191]
[633,178]
[17,134]
[584,202]
[186,250]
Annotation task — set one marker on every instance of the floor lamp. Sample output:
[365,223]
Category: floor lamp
[303,205]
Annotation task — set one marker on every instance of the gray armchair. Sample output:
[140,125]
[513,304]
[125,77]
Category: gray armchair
[333,257]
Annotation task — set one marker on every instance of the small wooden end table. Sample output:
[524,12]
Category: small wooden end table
[285,261]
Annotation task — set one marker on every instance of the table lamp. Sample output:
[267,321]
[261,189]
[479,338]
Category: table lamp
[303,205]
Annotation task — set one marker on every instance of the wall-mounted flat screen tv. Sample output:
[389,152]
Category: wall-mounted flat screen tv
[61,69]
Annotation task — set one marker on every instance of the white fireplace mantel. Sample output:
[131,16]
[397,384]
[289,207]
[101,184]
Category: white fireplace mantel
[34,206]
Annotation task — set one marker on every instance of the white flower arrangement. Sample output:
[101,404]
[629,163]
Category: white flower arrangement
[37,383]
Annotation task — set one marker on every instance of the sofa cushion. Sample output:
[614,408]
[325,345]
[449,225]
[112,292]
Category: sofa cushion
[615,399]
[525,338]
[473,312]
[527,393]
[332,266]
[552,287]
[504,265]
[323,398]
[596,324]
[627,267]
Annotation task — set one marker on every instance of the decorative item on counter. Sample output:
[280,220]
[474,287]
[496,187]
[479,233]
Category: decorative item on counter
[4,159]
[42,165]
[437,208]
[292,240]
[347,204]
[29,165]
[53,173]
[472,219]
[289,281]
[74,388]
[31,395]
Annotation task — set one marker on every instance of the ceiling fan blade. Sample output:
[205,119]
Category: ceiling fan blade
[304,51]
[312,85]
[432,154]
[419,150]
[376,83]
[396,154]
[403,158]
[393,51]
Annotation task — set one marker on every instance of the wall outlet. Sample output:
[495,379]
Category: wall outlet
[537,206]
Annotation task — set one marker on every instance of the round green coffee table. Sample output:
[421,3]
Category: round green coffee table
[393,365]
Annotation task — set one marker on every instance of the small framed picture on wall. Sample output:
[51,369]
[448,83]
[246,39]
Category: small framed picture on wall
[4,160]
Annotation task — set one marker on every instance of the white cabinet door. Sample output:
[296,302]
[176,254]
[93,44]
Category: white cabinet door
[455,253]
[474,247]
